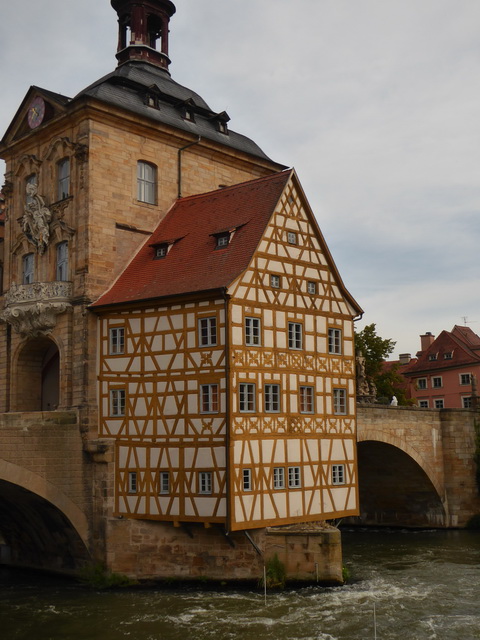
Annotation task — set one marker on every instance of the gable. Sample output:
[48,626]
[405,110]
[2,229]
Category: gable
[38,107]
[293,248]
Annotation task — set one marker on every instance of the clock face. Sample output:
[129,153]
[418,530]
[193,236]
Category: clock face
[36,112]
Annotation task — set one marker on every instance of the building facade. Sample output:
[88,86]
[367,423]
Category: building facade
[444,373]
[224,398]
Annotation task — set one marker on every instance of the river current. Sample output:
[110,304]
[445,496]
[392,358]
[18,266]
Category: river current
[404,585]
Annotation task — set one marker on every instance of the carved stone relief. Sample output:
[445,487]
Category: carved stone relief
[36,220]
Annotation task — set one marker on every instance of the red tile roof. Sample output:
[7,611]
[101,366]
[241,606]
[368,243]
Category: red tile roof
[193,263]
[463,345]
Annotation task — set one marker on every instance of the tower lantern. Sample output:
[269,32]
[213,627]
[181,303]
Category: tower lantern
[143,30]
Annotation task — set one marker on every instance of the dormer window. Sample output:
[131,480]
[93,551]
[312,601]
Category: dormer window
[188,115]
[161,251]
[223,240]
[448,355]
[220,120]
[222,127]
[152,101]
[432,357]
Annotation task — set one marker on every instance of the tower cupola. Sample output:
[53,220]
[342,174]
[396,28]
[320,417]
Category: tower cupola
[143,30]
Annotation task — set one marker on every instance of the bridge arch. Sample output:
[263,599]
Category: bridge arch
[398,487]
[41,527]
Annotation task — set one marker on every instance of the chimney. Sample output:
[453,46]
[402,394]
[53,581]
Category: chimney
[404,358]
[426,340]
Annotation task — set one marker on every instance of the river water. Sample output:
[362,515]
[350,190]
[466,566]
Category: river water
[407,585]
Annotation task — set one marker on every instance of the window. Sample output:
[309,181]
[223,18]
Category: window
[209,398]
[205,482]
[467,402]
[432,357]
[247,397]
[294,335]
[306,399]
[335,341]
[421,383]
[132,482]
[311,287]
[223,240]
[423,404]
[63,179]
[62,262]
[161,251]
[252,332]
[465,378]
[207,329]
[338,474]
[272,398]
[437,382]
[448,355]
[339,401]
[278,478]
[439,404]
[31,179]
[146,182]
[292,237]
[117,340]
[117,402]
[294,477]
[247,479]
[28,268]
[222,127]
[164,482]
[275,282]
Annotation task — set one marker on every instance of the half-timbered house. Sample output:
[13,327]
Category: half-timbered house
[227,365]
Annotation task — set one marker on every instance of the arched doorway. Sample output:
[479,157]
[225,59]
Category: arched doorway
[38,376]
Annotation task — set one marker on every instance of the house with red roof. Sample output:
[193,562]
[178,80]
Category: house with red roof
[445,371]
[227,365]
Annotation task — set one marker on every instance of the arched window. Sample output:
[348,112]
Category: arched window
[63,178]
[62,262]
[146,182]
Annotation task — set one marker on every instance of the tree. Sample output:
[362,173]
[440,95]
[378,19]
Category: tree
[375,350]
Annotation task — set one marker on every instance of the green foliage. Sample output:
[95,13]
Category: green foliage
[96,576]
[346,575]
[390,383]
[374,349]
[276,575]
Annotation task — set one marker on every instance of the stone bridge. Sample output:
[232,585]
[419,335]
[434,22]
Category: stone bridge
[416,466]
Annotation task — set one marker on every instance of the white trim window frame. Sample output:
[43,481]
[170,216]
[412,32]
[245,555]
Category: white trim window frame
[118,400]
[338,474]
[307,399]
[421,384]
[247,397]
[132,482]
[275,281]
[335,341]
[146,182]
[253,328]
[294,478]
[466,402]
[295,336]
[271,398]
[116,342]
[437,382]
[207,331]
[339,402]
[209,398]
[423,404]
[312,288]
[164,482]
[439,403]
[205,483]
[247,479]
[465,378]
[279,478]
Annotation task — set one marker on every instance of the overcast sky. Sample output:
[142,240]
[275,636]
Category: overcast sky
[376,103]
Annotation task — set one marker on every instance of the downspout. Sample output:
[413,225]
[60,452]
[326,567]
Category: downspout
[180,151]
[227,410]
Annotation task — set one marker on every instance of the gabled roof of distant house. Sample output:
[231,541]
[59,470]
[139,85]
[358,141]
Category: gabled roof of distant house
[189,233]
[457,348]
